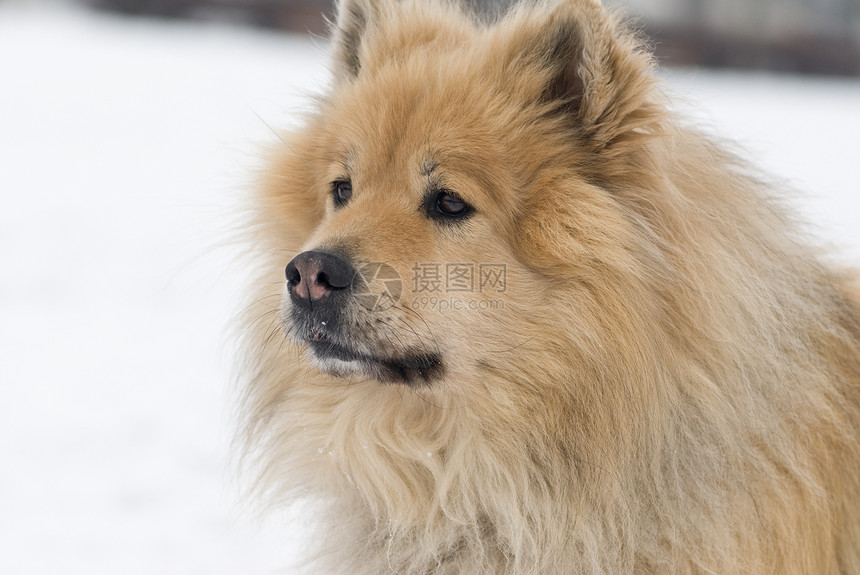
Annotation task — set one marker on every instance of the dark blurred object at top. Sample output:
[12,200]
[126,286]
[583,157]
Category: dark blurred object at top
[291,15]
[806,36]
[809,36]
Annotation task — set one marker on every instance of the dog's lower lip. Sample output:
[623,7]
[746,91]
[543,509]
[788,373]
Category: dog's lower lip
[324,349]
[412,369]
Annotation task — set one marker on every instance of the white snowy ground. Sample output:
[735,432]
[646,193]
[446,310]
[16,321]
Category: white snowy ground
[123,148]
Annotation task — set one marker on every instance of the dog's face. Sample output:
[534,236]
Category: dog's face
[428,235]
[410,252]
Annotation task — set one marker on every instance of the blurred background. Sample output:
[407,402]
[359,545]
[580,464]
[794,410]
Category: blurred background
[813,36]
[131,134]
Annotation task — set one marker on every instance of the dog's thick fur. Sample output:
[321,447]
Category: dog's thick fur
[673,384]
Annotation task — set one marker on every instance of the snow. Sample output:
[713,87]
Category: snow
[126,147]
[804,131]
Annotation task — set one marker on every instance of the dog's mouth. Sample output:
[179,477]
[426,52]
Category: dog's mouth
[412,368]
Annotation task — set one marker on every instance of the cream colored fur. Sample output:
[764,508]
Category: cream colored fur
[673,385]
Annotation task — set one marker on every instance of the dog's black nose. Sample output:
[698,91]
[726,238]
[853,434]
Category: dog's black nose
[314,275]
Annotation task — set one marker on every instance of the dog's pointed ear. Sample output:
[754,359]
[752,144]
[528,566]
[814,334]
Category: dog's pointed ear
[559,49]
[354,20]
[591,66]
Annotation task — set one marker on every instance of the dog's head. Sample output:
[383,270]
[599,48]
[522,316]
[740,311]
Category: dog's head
[468,224]
[453,186]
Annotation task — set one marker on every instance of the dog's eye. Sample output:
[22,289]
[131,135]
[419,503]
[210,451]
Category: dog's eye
[341,191]
[451,205]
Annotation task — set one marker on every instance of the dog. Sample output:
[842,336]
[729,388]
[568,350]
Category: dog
[514,316]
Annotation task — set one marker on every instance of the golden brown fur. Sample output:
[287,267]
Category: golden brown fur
[673,385]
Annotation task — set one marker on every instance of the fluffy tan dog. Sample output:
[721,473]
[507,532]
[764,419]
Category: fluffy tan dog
[533,324]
